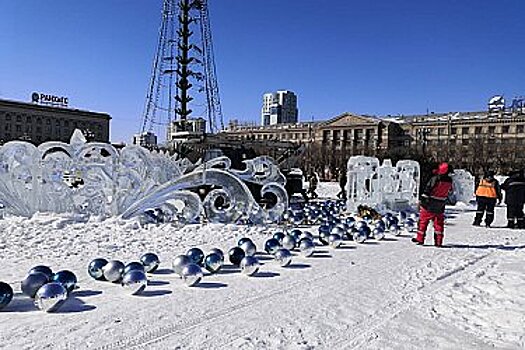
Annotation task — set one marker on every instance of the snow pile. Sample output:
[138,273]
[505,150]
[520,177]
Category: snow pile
[387,294]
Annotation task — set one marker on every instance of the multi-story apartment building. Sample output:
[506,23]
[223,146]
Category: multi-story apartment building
[37,123]
[279,108]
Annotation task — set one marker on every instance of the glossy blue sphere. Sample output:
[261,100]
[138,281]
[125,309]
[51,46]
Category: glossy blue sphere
[67,279]
[150,261]
[243,240]
[213,262]
[271,246]
[46,270]
[32,283]
[6,294]
[134,265]
[95,269]
[279,235]
[196,255]
[236,254]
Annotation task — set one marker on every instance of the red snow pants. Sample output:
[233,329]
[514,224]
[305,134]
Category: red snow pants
[425,217]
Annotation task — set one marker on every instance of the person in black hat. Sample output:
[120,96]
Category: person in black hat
[514,187]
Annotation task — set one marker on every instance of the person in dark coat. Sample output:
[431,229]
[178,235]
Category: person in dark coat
[342,185]
[313,181]
[514,187]
[432,205]
[487,193]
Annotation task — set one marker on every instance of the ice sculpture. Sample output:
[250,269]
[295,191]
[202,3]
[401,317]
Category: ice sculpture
[96,179]
[382,185]
[464,184]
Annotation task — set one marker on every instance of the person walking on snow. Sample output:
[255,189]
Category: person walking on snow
[487,193]
[432,205]
[313,180]
[342,185]
[514,187]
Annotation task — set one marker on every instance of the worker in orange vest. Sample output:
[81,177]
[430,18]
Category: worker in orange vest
[487,193]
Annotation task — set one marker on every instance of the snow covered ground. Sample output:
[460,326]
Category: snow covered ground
[389,294]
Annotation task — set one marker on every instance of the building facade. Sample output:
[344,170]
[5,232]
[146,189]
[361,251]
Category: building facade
[145,139]
[279,108]
[37,123]
[476,141]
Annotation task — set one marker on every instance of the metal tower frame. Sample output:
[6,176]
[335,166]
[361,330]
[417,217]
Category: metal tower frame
[173,77]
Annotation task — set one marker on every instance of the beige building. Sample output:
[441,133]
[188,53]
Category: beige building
[37,123]
[471,140]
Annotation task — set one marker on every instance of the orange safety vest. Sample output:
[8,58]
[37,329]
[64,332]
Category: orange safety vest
[486,189]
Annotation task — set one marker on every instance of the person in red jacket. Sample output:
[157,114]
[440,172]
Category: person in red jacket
[432,205]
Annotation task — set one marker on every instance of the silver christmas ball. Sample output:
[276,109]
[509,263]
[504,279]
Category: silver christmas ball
[249,265]
[113,270]
[50,296]
[289,242]
[95,268]
[196,255]
[32,283]
[213,262]
[279,235]
[296,233]
[179,263]
[150,261]
[306,247]
[191,274]
[134,281]
[218,252]
[283,257]
[334,240]
[249,248]
[134,265]
[337,230]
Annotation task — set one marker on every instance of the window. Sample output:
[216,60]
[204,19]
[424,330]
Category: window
[478,130]
[19,128]
[505,129]
[48,121]
[441,131]
[464,131]
[66,123]
[8,117]
[492,129]
[453,131]
[38,121]
[464,142]
[519,129]
[18,119]
[28,119]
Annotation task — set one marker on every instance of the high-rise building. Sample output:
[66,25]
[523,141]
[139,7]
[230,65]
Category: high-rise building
[279,108]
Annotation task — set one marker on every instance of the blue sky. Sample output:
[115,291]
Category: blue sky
[369,57]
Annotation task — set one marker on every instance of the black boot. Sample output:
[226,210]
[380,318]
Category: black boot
[510,224]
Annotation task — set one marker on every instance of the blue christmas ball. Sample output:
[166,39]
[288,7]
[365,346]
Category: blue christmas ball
[324,228]
[95,268]
[192,274]
[323,237]
[358,225]
[296,233]
[196,255]
[134,265]
[150,261]
[365,230]
[236,254]
[249,248]
[67,279]
[218,252]
[46,270]
[271,246]
[350,221]
[378,233]
[243,240]
[32,283]
[279,235]
[360,236]
[213,262]
[6,294]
